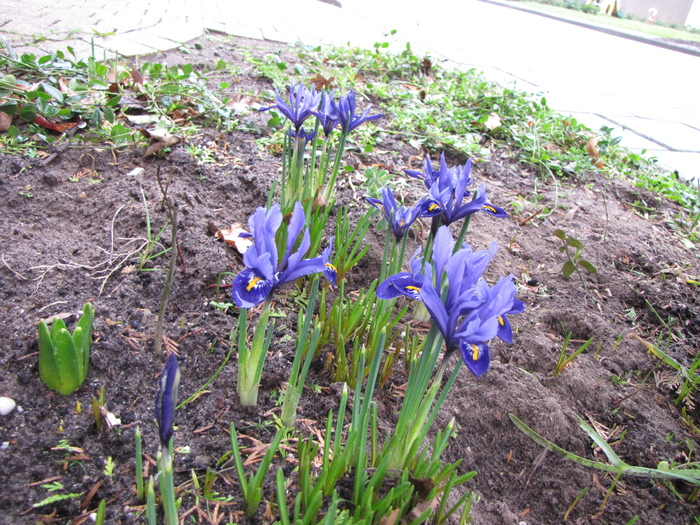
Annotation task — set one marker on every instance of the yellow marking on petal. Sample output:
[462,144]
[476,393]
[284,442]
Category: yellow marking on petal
[433,207]
[413,289]
[252,283]
[501,321]
[475,352]
[402,223]
[332,267]
[489,208]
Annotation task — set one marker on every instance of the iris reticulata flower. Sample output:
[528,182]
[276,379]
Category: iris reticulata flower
[400,218]
[264,273]
[301,104]
[166,399]
[448,194]
[346,113]
[468,312]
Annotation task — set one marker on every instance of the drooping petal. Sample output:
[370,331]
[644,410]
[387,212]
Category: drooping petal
[251,287]
[301,268]
[477,357]
[399,284]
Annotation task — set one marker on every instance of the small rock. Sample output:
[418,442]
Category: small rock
[5,445]
[136,172]
[198,46]
[7,405]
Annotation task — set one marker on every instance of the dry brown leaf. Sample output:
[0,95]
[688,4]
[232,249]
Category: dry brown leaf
[320,82]
[5,121]
[421,507]
[391,519]
[158,142]
[592,148]
[233,237]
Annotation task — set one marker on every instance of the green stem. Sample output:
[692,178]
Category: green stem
[167,485]
[330,185]
[250,362]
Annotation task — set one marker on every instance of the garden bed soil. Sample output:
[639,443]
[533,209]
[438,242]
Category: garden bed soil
[71,233]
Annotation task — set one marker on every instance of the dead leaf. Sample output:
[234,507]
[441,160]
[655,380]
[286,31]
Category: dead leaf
[5,121]
[592,149]
[137,76]
[391,519]
[237,237]
[60,127]
[157,142]
[493,122]
[423,486]
[320,82]
[421,507]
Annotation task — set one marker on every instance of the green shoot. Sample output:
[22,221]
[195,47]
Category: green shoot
[64,357]
[252,486]
[565,359]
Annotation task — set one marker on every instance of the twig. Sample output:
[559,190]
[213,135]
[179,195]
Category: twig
[529,218]
[13,271]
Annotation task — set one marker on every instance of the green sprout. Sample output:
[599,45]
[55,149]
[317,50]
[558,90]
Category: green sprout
[64,358]
[574,260]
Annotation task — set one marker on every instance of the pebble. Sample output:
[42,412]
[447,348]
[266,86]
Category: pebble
[7,405]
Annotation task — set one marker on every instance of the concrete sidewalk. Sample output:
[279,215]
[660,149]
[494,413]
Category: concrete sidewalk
[649,94]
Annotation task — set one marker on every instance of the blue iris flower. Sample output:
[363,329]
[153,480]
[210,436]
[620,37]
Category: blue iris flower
[346,113]
[301,105]
[166,399]
[302,134]
[469,313]
[448,194]
[264,273]
[328,113]
[399,217]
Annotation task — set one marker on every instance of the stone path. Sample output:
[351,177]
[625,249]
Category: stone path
[648,93]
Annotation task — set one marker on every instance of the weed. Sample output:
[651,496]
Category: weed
[575,259]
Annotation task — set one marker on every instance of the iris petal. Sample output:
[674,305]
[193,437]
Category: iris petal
[250,288]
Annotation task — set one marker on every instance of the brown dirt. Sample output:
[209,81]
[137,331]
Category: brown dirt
[72,242]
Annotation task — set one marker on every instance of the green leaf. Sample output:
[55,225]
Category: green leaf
[574,243]
[28,112]
[55,93]
[568,269]
[13,132]
[587,266]
[82,337]
[109,114]
[560,234]
[68,363]
[48,368]
[9,107]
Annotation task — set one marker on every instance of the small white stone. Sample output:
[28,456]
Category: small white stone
[5,445]
[7,405]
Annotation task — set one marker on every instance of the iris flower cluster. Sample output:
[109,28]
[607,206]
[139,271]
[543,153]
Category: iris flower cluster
[264,273]
[302,102]
[467,311]
[448,193]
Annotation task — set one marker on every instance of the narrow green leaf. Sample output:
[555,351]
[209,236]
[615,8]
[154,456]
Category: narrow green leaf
[48,368]
[68,363]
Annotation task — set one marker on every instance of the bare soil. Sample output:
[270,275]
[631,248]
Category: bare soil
[66,242]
